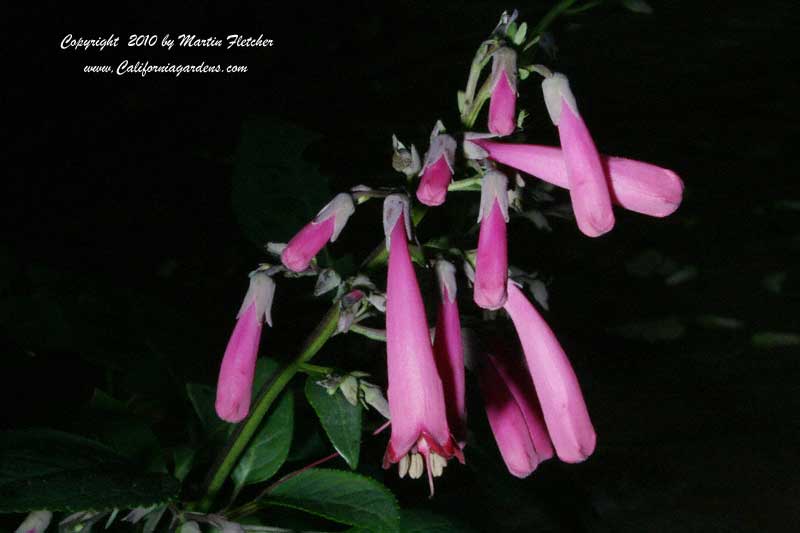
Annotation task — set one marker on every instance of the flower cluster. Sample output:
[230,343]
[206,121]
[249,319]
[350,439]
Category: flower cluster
[534,404]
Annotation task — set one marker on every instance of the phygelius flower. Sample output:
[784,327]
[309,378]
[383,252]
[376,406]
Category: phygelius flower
[491,263]
[438,168]
[503,86]
[325,227]
[35,522]
[557,387]
[588,186]
[420,433]
[513,412]
[235,382]
[448,351]
[635,185]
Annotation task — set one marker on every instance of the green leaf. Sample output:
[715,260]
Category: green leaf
[343,497]
[110,422]
[658,330]
[340,420]
[519,36]
[421,521]
[183,457]
[269,448]
[47,469]
[203,398]
[275,190]
[775,339]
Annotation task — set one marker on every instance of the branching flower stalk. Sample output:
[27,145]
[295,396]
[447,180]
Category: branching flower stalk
[533,401]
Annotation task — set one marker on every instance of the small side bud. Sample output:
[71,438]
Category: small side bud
[405,160]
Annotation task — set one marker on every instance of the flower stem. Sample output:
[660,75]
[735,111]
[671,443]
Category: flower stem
[245,431]
[370,333]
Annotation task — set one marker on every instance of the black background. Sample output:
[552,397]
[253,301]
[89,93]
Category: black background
[117,224]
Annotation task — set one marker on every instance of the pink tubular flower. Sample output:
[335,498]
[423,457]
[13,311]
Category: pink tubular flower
[503,84]
[514,414]
[325,227]
[35,522]
[438,168]
[635,185]
[239,362]
[448,351]
[415,394]
[491,264]
[557,387]
[588,187]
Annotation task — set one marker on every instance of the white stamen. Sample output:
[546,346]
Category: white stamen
[402,466]
[417,466]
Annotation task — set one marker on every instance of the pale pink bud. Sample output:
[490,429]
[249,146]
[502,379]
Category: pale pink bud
[588,186]
[35,522]
[448,350]
[437,172]
[235,383]
[514,414]
[503,84]
[557,387]
[326,226]
[415,392]
[491,263]
[635,185]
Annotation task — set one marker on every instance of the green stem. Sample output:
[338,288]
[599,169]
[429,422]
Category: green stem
[314,370]
[370,333]
[552,15]
[469,184]
[245,431]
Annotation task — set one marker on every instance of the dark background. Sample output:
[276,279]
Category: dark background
[123,255]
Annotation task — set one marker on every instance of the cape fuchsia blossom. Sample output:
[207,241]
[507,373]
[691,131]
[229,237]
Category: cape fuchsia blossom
[557,387]
[438,168]
[326,226]
[35,522]
[491,263]
[514,414]
[634,185]
[503,84]
[448,351]
[235,382]
[588,188]
[416,397]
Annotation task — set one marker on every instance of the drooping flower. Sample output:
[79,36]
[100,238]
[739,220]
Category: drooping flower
[513,412]
[634,185]
[416,397]
[588,186]
[438,168]
[326,226]
[503,85]
[448,351]
[491,263]
[557,387]
[35,522]
[235,382]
